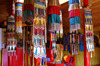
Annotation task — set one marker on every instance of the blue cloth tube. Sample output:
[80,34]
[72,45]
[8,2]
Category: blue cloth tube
[75,20]
[73,1]
[17,4]
[53,18]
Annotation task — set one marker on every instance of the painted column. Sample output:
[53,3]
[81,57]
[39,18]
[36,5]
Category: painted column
[85,60]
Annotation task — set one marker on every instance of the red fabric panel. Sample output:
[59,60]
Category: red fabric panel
[48,53]
[38,60]
[49,64]
[18,61]
[74,13]
[59,64]
[4,57]
[28,7]
[53,10]
[85,2]
[10,60]
[67,60]
[74,61]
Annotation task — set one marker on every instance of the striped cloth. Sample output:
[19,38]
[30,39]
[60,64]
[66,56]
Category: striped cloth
[74,15]
[53,14]
[18,20]
[28,11]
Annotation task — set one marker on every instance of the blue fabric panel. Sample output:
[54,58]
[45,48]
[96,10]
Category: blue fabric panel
[53,18]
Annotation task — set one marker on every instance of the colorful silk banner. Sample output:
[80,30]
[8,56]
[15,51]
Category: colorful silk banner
[11,41]
[39,30]
[89,29]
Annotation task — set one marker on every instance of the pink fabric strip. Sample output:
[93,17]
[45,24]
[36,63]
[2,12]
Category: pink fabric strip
[74,13]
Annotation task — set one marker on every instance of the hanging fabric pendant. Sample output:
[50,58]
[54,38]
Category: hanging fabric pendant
[53,14]
[74,15]
[18,20]
[28,11]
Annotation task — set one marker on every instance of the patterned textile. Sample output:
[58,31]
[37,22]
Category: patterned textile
[59,34]
[28,10]
[42,1]
[59,51]
[66,39]
[61,25]
[53,14]
[54,45]
[11,41]
[81,45]
[18,20]
[74,15]
[89,29]
[74,49]
[39,30]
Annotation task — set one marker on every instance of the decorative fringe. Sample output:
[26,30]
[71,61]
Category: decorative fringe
[54,27]
[75,27]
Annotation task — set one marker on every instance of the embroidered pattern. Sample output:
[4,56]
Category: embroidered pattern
[89,29]
[11,41]
[39,30]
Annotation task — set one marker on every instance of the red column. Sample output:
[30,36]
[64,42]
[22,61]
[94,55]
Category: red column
[50,45]
[88,59]
[86,53]
[85,2]
[84,39]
